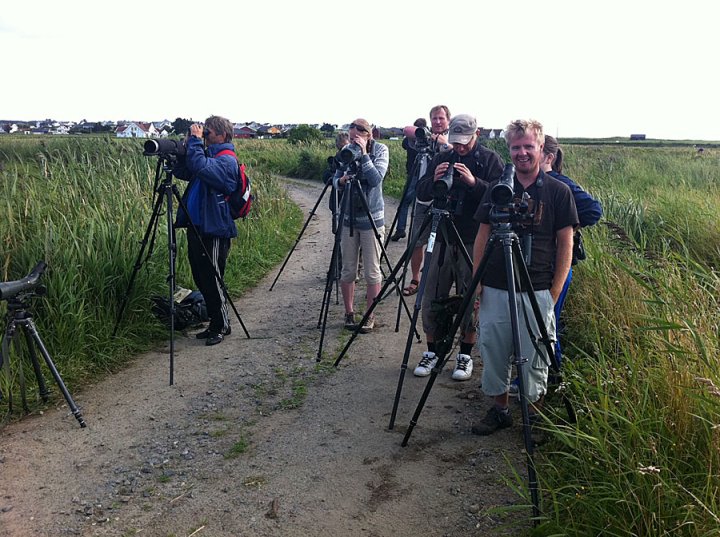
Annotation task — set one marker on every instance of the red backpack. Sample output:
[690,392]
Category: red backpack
[240,199]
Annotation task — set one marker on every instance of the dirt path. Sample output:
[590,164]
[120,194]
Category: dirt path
[255,439]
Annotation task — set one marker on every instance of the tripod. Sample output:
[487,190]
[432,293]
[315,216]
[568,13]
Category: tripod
[419,166]
[503,235]
[352,188]
[307,222]
[17,295]
[440,219]
[164,190]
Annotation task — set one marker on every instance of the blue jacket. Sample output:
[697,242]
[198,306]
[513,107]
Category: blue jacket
[589,209]
[211,179]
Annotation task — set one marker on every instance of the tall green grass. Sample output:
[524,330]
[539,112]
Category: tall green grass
[643,342]
[83,206]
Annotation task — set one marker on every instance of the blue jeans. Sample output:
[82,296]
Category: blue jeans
[406,203]
[558,310]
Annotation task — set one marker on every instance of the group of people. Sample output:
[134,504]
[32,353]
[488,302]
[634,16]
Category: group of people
[458,215]
[450,179]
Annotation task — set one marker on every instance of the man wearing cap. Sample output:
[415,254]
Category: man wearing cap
[473,168]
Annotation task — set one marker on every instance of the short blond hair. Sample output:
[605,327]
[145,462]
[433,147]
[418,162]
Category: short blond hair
[520,127]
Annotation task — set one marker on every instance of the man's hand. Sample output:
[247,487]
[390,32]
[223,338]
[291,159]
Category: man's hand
[465,174]
[196,130]
[440,170]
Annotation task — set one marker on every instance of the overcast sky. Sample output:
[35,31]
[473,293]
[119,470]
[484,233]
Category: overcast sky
[590,69]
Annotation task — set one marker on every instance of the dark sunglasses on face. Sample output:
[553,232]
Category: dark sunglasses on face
[358,127]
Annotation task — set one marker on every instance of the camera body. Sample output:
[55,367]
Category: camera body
[423,137]
[442,186]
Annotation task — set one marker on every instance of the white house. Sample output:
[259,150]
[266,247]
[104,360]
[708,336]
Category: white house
[136,130]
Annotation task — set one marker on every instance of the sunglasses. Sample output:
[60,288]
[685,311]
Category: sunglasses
[358,127]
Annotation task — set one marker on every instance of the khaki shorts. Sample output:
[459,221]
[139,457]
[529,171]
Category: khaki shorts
[362,239]
[495,341]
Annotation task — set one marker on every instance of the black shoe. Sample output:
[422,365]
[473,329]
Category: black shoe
[397,236]
[213,339]
[494,419]
[206,333]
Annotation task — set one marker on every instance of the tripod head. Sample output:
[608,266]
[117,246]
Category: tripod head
[30,284]
[508,215]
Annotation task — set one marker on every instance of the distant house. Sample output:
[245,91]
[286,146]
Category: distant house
[491,134]
[246,131]
[637,136]
[268,131]
[136,130]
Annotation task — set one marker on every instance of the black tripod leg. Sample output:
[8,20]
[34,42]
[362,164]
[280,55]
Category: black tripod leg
[58,379]
[443,349]
[218,277]
[42,387]
[297,240]
[325,308]
[383,255]
[416,313]
[544,336]
[151,229]
[172,256]
[388,282]
[5,361]
[509,251]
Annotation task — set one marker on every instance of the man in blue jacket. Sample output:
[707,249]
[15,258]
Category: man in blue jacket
[212,178]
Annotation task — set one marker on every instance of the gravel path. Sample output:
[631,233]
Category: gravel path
[255,439]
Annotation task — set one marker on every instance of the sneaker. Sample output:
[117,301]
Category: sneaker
[350,323]
[213,339]
[463,367]
[397,236]
[426,364]
[206,333]
[493,420]
[369,325]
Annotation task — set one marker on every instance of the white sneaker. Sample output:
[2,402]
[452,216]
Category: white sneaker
[426,364]
[463,367]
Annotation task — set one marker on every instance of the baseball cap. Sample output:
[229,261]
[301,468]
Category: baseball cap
[462,128]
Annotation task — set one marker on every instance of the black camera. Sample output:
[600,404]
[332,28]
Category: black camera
[164,147]
[9,290]
[503,191]
[423,136]
[350,154]
[442,186]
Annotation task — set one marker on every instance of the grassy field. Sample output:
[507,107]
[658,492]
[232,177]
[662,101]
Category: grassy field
[642,315]
[83,206]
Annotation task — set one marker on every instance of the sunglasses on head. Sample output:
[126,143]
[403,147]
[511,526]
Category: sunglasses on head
[358,127]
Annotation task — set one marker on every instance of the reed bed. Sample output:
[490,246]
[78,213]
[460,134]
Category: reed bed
[83,205]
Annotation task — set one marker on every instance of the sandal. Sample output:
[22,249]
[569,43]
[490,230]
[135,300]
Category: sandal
[411,289]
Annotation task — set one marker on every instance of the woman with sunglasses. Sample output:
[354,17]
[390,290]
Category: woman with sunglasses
[366,174]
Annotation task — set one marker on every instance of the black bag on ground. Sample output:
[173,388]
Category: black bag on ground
[188,313]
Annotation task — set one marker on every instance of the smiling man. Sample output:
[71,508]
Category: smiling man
[553,217]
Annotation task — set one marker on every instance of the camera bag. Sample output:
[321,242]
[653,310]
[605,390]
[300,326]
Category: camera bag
[240,199]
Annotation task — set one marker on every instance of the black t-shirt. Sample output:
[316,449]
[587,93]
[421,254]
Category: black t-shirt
[463,200]
[553,206]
